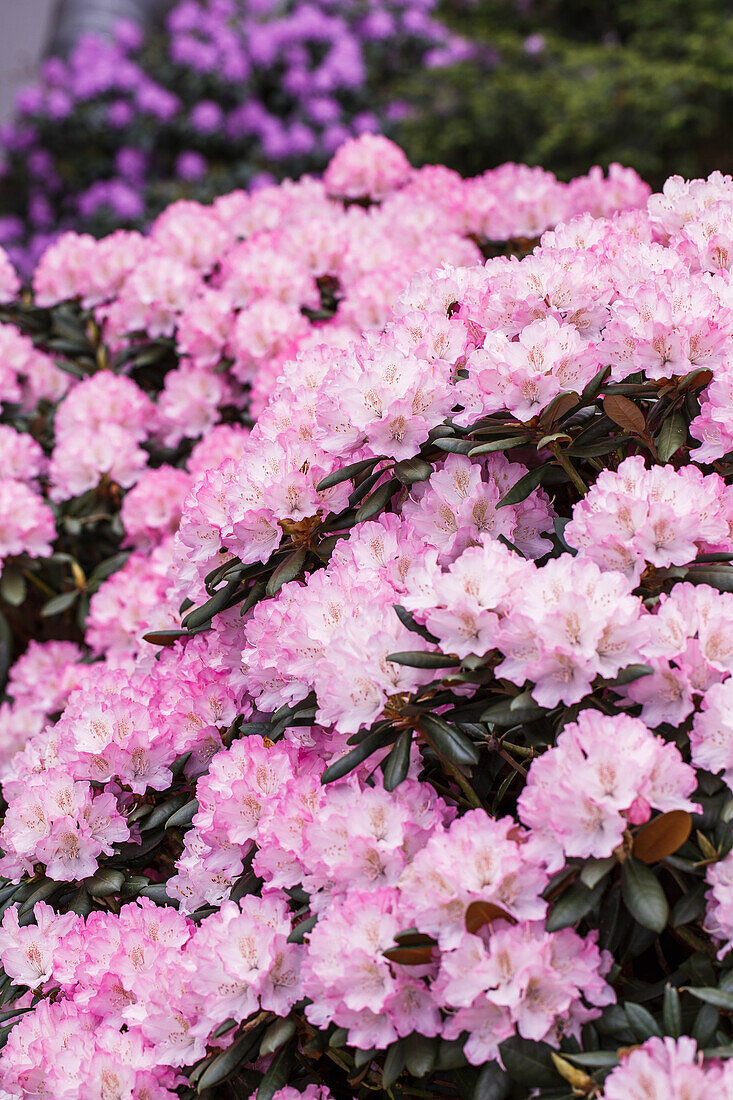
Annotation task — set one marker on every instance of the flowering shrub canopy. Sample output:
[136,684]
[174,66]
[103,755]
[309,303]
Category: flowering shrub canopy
[375,725]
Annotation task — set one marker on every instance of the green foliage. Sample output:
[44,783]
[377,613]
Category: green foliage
[644,83]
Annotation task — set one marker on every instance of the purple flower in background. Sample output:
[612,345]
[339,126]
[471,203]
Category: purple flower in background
[207,116]
[190,165]
[131,163]
[120,114]
[534,44]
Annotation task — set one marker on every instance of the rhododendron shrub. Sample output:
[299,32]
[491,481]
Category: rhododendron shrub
[397,754]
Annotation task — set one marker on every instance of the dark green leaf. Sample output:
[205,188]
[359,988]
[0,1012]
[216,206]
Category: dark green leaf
[105,569]
[378,501]
[411,470]
[301,930]
[689,907]
[528,1063]
[345,764]
[277,1034]
[448,741]
[492,1084]
[522,488]
[243,1049]
[672,436]
[641,1021]
[572,905]
[421,1054]
[628,675]
[421,659]
[396,766]
[721,998]
[455,446]
[6,648]
[720,578]
[345,474]
[277,1073]
[643,896]
[593,1058]
[184,816]
[157,893]
[394,1063]
[513,712]
[201,615]
[672,1013]
[286,571]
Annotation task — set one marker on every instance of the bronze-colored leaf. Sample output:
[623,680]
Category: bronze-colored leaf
[410,956]
[480,913]
[662,836]
[624,413]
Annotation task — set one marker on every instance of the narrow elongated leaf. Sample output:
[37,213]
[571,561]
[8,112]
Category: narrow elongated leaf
[277,1034]
[201,615]
[643,896]
[397,764]
[278,1072]
[672,436]
[448,741]
[642,1023]
[58,604]
[629,674]
[345,474]
[351,760]
[513,712]
[572,905]
[624,413]
[183,817]
[394,1063]
[301,930]
[672,1012]
[522,489]
[164,637]
[378,501]
[223,1065]
[499,445]
[286,571]
[410,956]
[455,446]
[421,659]
[720,998]
[662,836]
[720,578]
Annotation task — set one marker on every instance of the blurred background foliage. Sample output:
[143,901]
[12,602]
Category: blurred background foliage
[571,83]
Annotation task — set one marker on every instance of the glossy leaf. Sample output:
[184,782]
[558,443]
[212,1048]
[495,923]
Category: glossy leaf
[662,836]
[643,895]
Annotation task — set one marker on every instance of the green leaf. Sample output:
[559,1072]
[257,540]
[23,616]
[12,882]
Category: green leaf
[6,648]
[522,488]
[628,675]
[455,446]
[13,586]
[278,1072]
[104,883]
[689,907]
[286,571]
[513,712]
[164,637]
[411,470]
[672,436]
[60,603]
[572,905]
[720,578]
[377,502]
[593,1058]
[643,896]
[201,615]
[492,1084]
[301,930]
[421,659]
[277,1034]
[721,998]
[528,1063]
[396,766]
[105,569]
[184,816]
[394,1063]
[642,1023]
[243,1049]
[345,764]
[595,870]
[671,1012]
[157,893]
[345,474]
[421,1054]
[499,445]
[448,741]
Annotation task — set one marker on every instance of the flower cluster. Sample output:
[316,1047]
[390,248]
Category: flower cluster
[392,716]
